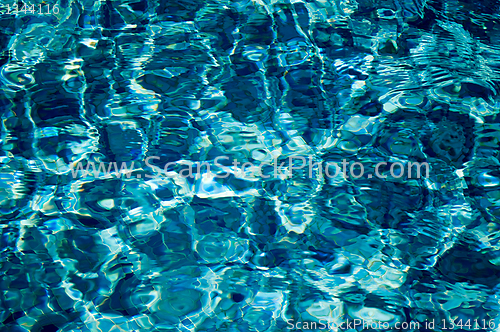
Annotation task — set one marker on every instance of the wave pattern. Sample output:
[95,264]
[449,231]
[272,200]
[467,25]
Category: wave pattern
[188,81]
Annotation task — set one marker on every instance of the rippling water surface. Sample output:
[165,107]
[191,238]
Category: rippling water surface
[253,81]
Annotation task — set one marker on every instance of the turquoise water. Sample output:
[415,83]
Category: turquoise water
[148,83]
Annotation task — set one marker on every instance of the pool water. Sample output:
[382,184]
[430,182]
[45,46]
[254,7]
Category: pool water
[162,87]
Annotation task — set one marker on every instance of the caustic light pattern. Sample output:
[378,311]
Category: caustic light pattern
[396,81]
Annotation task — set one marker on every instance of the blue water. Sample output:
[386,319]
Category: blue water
[108,82]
